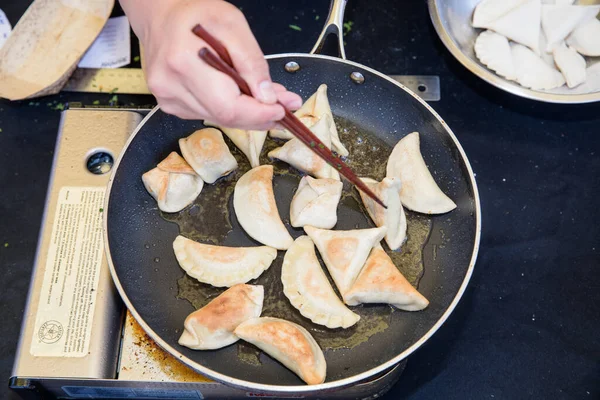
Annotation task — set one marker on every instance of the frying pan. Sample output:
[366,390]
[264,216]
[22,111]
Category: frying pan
[373,113]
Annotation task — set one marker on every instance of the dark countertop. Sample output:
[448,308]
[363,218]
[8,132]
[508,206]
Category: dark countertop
[528,325]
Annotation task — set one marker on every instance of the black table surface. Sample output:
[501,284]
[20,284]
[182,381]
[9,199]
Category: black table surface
[528,325]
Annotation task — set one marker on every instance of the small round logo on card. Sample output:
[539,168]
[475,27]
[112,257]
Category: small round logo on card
[50,332]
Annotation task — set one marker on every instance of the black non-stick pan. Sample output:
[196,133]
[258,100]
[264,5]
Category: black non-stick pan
[372,116]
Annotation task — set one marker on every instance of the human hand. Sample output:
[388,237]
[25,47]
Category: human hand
[187,87]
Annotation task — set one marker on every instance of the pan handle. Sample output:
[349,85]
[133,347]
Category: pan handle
[334,24]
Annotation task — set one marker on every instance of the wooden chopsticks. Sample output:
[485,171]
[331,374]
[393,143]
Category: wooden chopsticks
[289,121]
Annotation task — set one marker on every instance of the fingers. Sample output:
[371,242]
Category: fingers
[290,100]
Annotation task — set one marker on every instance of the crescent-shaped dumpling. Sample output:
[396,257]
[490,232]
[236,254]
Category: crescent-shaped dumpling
[559,21]
[299,156]
[256,210]
[345,252]
[219,265]
[419,191]
[532,71]
[315,203]
[381,282]
[308,289]
[517,20]
[173,183]
[584,38]
[493,50]
[311,111]
[249,142]
[571,64]
[393,218]
[288,343]
[211,327]
[208,154]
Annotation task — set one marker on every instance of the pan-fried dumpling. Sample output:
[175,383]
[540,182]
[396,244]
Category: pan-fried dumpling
[212,326]
[219,265]
[299,156]
[532,71]
[393,218]
[585,38]
[419,191]
[308,289]
[288,343]
[493,51]
[559,21]
[208,154]
[517,20]
[381,282]
[345,252]
[571,64]
[311,111]
[315,203]
[256,210]
[173,183]
[249,142]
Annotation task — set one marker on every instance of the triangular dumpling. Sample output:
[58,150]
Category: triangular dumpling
[249,142]
[381,282]
[419,191]
[220,265]
[393,218]
[559,21]
[299,156]
[488,11]
[211,327]
[493,50]
[208,154]
[308,289]
[586,38]
[315,203]
[311,111]
[256,210]
[173,183]
[571,64]
[520,24]
[532,71]
[345,252]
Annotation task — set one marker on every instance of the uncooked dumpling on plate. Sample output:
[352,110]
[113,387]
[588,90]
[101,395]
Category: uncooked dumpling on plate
[206,151]
[256,210]
[532,71]
[393,218]
[559,21]
[249,142]
[419,191]
[222,266]
[571,64]
[211,327]
[288,343]
[173,183]
[586,38]
[315,203]
[345,252]
[299,156]
[516,20]
[381,282]
[493,50]
[306,286]
[311,111]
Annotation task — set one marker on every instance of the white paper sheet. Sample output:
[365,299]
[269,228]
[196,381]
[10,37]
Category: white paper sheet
[5,28]
[112,48]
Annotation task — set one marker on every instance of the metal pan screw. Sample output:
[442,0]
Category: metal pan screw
[292,66]
[357,77]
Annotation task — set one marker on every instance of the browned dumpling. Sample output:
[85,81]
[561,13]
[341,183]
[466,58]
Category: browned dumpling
[288,343]
[381,282]
[211,327]
[206,151]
